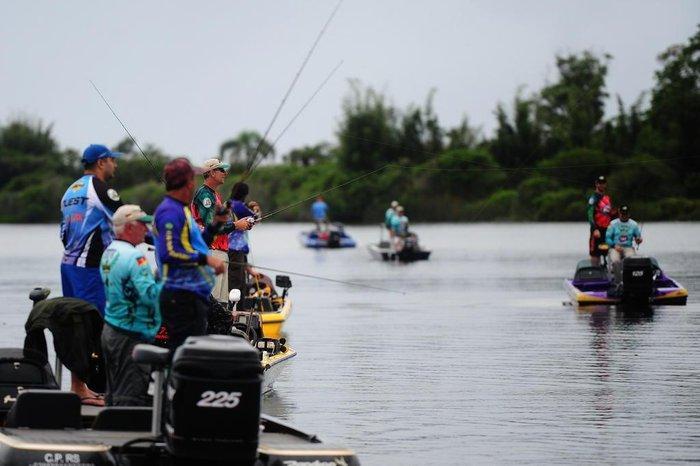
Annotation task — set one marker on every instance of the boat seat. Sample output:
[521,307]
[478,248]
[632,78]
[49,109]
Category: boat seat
[45,409]
[124,418]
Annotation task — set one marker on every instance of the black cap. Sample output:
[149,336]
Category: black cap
[624,209]
[601,179]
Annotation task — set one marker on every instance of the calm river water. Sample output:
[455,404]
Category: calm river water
[479,362]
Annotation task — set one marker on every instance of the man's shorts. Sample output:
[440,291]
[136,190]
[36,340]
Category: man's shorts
[84,283]
[594,242]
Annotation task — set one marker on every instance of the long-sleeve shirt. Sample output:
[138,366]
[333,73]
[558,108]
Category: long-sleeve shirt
[238,239]
[203,207]
[181,250]
[86,220]
[622,233]
[132,291]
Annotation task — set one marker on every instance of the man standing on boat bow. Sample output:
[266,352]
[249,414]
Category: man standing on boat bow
[600,213]
[132,315]
[205,207]
[187,266]
[86,230]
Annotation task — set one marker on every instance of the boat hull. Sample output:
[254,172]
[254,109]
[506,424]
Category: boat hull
[274,365]
[675,295]
[387,254]
[311,240]
[272,322]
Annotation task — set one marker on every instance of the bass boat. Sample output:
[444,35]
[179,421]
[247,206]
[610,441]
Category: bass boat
[333,238]
[643,283]
[211,399]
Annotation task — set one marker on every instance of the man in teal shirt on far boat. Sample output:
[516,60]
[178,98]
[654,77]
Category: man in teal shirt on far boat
[621,236]
[389,216]
[132,313]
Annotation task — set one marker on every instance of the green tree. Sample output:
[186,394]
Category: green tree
[674,114]
[367,133]
[518,142]
[572,108]
[308,155]
[245,150]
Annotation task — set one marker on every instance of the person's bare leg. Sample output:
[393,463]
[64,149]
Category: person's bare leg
[79,387]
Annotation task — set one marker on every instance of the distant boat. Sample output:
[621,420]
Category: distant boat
[410,252]
[643,282]
[332,238]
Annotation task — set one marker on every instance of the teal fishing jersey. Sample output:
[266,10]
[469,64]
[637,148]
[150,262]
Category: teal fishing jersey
[622,233]
[132,291]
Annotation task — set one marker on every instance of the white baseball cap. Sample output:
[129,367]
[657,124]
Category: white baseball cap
[213,164]
[130,213]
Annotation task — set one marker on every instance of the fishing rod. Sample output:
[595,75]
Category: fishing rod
[248,170]
[318,89]
[133,139]
[343,282]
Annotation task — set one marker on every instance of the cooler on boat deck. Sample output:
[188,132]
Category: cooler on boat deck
[213,399]
[637,278]
[21,369]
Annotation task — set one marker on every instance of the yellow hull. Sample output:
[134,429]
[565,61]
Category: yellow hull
[272,322]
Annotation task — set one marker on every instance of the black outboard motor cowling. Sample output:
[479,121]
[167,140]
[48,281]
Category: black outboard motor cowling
[334,239]
[213,400]
[637,279]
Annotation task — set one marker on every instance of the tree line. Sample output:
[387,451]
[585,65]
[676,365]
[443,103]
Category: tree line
[538,165]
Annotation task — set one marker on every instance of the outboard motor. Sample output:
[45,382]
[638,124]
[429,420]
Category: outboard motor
[213,400]
[334,239]
[637,279]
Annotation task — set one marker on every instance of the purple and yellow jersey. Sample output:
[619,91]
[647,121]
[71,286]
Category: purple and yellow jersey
[181,250]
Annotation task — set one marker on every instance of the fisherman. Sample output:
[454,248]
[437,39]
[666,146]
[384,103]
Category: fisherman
[399,227]
[132,314]
[389,215]
[238,247]
[621,236]
[205,205]
[600,213]
[187,266]
[86,230]
[319,212]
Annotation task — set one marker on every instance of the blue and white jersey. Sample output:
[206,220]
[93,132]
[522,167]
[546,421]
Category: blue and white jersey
[86,221]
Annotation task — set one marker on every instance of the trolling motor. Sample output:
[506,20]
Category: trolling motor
[284,282]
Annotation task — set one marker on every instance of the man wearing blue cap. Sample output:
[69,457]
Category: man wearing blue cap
[86,230]
[86,225]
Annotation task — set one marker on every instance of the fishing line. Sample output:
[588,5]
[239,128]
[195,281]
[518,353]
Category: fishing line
[277,211]
[248,170]
[155,170]
[318,89]
[343,282]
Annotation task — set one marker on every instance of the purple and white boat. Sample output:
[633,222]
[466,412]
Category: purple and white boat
[643,282]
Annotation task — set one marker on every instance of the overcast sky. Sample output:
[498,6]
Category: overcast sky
[187,75]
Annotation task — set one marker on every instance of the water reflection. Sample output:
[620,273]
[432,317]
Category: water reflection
[612,332]
[277,404]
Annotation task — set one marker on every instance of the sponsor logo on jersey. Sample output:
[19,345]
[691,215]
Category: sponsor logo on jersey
[77,185]
[113,194]
[141,260]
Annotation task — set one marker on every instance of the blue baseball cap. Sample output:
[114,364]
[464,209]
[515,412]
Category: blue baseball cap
[94,152]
